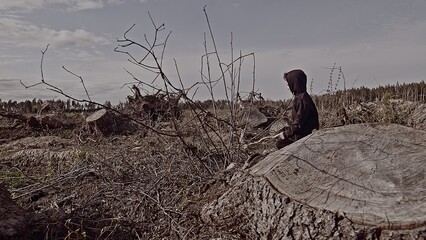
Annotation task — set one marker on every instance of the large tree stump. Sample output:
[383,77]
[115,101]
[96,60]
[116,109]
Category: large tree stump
[253,209]
[358,181]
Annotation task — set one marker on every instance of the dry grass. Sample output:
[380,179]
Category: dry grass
[139,186]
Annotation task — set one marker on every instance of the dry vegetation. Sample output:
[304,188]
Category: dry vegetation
[150,181]
[144,185]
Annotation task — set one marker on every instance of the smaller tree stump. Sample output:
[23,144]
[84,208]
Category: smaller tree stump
[105,122]
[102,122]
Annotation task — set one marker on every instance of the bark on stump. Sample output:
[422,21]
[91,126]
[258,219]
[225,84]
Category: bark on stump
[253,209]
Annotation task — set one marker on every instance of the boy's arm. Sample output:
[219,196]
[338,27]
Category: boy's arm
[298,120]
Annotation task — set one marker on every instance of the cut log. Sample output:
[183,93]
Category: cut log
[353,182]
[13,115]
[56,120]
[49,121]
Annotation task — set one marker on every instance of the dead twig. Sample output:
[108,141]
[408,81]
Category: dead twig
[262,139]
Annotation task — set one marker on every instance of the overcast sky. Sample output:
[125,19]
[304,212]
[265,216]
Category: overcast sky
[376,42]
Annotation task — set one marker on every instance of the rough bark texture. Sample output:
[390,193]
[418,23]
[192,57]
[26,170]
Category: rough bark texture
[253,209]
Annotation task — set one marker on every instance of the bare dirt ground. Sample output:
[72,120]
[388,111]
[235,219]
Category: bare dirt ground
[72,185]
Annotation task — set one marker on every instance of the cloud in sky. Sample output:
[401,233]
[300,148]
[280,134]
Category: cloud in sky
[21,5]
[19,33]
[376,42]
[70,5]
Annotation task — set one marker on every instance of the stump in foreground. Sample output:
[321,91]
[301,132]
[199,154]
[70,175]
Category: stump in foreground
[358,181]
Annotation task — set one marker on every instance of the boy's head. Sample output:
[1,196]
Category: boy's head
[296,80]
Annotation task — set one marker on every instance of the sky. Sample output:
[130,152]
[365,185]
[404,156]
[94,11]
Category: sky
[375,42]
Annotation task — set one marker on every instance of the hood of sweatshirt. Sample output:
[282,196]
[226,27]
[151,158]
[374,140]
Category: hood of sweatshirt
[296,80]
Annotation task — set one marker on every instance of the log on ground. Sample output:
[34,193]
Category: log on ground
[49,121]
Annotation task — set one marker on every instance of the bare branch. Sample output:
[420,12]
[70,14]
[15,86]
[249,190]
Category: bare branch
[30,86]
[41,62]
[81,80]
[56,89]
[216,53]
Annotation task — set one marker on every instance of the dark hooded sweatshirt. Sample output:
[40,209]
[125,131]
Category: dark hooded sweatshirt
[304,112]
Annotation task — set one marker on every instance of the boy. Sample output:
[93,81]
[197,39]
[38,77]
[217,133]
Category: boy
[304,112]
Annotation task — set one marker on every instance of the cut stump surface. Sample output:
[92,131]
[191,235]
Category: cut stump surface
[373,174]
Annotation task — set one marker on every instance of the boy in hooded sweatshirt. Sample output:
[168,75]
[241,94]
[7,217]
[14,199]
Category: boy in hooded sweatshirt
[304,112]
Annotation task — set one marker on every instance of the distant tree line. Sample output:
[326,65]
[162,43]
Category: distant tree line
[35,105]
[415,92]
